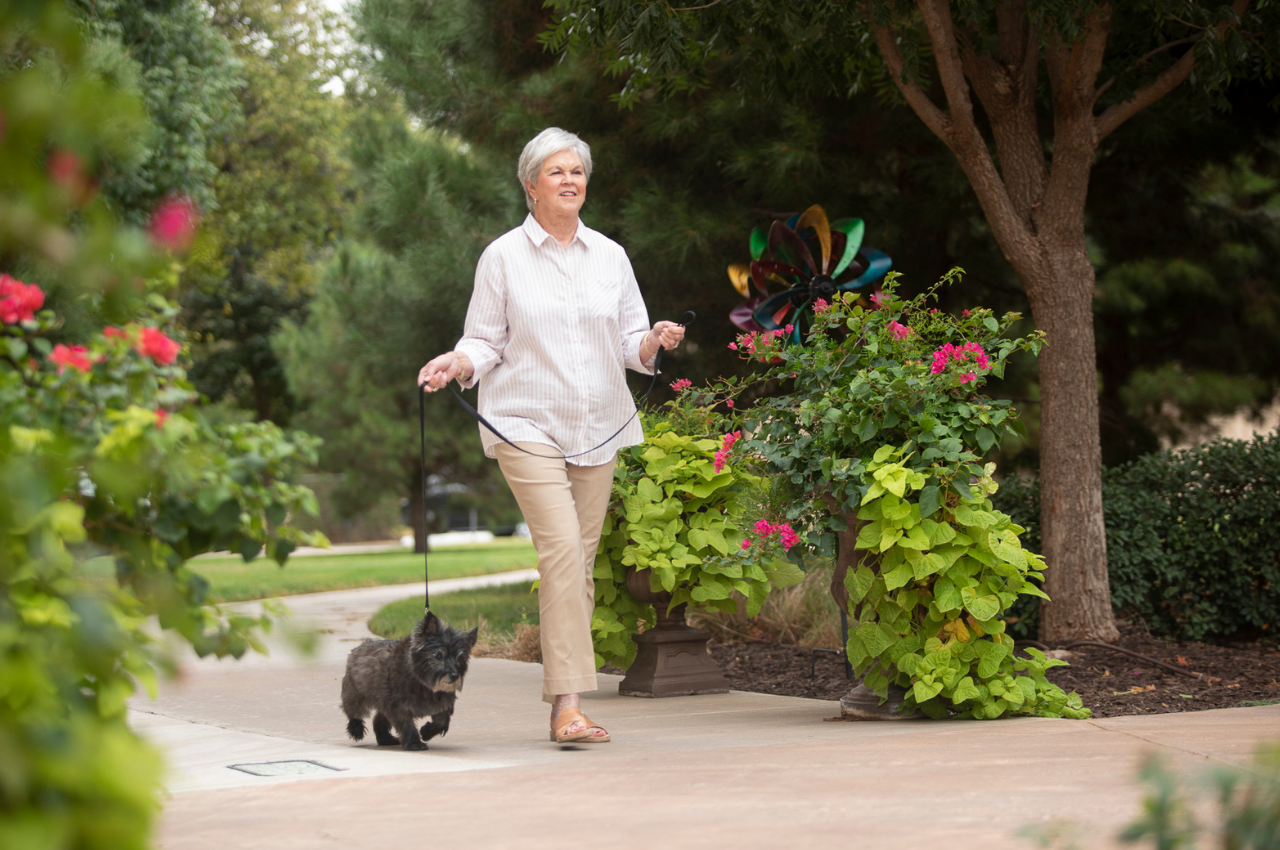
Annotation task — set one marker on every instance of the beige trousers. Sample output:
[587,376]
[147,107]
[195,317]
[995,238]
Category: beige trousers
[564,506]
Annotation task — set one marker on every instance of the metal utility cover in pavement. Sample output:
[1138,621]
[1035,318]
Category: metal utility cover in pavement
[284,768]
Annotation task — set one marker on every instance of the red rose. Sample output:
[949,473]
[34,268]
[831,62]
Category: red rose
[75,356]
[154,344]
[18,301]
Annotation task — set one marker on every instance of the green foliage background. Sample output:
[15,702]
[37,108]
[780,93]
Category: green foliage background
[1192,539]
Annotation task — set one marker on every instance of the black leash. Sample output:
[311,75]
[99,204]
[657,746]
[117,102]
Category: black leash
[686,319]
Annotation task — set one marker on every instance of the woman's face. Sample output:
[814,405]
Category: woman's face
[561,186]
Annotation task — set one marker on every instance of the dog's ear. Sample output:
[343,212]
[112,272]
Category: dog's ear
[471,636]
[430,624]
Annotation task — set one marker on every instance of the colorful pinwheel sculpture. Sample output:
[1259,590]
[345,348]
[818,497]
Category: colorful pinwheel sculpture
[785,256]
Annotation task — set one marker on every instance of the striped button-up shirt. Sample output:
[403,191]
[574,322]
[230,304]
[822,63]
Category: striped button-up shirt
[550,331]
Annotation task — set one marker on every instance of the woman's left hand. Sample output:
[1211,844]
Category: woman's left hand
[666,334]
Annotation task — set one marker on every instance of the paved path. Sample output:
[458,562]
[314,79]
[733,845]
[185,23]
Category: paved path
[737,770]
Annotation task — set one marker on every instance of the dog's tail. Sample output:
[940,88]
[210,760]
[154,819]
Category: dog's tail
[355,728]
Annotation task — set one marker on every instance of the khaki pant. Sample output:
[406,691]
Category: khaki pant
[564,507]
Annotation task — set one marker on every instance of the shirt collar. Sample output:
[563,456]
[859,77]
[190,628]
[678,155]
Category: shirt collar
[538,236]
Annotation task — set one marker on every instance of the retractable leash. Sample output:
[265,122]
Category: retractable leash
[686,319]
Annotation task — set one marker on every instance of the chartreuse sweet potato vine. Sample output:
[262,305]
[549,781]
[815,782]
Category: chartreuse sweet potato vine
[875,447]
[929,613]
[677,513]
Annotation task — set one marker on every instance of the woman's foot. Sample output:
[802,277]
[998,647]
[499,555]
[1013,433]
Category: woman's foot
[570,725]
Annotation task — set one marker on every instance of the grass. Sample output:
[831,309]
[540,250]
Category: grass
[1254,703]
[231,579]
[496,610]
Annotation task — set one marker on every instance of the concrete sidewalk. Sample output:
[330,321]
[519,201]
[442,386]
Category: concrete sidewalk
[736,770]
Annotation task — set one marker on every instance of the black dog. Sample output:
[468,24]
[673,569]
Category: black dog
[401,680]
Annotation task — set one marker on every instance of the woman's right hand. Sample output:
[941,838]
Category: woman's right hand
[437,374]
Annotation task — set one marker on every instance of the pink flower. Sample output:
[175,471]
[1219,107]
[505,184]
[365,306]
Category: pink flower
[879,299]
[900,331]
[746,543]
[733,346]
[681,385]
[820,306]
[18,301]
[154,344]
[110,332]
[763,528]
[75,356]
[933,310]
[173,224]
[789,328]
[729,402]
[961,354]
[786,536]
[722,456]
[964,312]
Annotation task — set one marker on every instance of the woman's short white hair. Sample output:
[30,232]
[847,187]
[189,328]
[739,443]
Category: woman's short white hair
[550,141]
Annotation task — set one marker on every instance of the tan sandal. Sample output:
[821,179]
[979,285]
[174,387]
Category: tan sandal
[569,716]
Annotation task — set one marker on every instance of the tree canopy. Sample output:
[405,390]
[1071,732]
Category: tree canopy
[1024,93]
[280,186]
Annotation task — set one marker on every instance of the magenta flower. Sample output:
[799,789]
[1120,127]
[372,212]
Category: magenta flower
[820,306]
[173,224]
[681,385]
[746,543]
[722,456]
[733,346]
[899,331]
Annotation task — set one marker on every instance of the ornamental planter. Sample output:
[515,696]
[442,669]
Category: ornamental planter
[671,658]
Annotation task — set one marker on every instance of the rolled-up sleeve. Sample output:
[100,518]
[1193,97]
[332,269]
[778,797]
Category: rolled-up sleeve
[485,334]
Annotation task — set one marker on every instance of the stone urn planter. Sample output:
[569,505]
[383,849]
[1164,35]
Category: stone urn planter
[671,657]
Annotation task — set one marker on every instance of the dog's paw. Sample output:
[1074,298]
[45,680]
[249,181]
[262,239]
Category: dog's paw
[414,745]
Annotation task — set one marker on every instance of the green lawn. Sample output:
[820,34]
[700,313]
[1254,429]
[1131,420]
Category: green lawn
[231,579]
[501,607]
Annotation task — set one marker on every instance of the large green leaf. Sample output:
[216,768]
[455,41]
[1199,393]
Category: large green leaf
[982,607]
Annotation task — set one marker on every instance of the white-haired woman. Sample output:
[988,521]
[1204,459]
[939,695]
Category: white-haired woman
[555,319]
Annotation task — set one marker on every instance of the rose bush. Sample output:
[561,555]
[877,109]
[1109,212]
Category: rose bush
[873,433]
[106,465]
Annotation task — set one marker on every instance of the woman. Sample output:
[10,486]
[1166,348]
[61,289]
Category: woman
[555,318]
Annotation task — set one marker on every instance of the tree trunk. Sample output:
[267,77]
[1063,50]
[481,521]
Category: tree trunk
[1073,534]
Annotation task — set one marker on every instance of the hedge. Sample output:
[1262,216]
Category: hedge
[1193,539]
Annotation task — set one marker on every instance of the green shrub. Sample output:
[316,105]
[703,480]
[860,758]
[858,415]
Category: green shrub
[102,454]
[678,514]
[1193,539]
[876,441]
